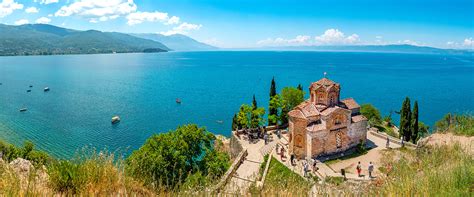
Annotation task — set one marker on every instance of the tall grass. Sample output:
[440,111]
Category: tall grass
[431,171]
[281,181]
[93,172]
[460,124]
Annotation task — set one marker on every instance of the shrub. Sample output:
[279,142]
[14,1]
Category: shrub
[66,176]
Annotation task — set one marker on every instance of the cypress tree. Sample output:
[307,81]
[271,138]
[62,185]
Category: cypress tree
[235,124]
[415,128]
[300,87]
[254,103]
[272,110]
[405,120]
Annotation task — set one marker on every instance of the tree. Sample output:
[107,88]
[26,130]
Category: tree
[300,87]
[235,124]
[244,116]
[423,130]
[405,119]
[257,117]
[290,98]
[415,124]
[169,158]
[254,103]
[371,113]
[271,110]
[275,103]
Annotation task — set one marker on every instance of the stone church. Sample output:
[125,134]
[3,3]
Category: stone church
[324,124]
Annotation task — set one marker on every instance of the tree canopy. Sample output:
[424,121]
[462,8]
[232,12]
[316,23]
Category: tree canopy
[167,159]
[371,113]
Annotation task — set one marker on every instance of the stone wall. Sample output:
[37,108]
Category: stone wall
[235,146]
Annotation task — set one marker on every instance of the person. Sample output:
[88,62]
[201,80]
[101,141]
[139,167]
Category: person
[359,169]
[292,159]
[371,169]
[305,168]
[276,148]
[282,153]
[388,142]
[265,138]
[279,133]
[315,168]
[389,169]
[402,142]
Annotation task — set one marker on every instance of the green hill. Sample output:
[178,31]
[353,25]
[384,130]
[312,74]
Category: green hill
[41,39]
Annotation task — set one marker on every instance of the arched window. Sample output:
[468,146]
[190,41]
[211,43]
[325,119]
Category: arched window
[337,121]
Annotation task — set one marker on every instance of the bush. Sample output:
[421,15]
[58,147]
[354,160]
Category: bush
[66,176]
[460,124]
[167,159]
[371,113]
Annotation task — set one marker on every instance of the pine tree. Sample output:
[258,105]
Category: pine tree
[271,110]
[415,126]
[254,103]
[300,87]
[405,120]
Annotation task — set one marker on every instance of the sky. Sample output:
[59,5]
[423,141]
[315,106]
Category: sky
[263,23]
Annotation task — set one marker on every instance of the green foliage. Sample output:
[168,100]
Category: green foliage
[460,124]
[300,87]
[41,39]
[272,110]
[371,113]
[415,124]
[275,103]
[66,176]
[405,120]
[334,180]
[360,148]
[250,117]
[11,152]
[446,170]
[282,181]
[167,159]
[290,98]
[235,123]
[254,103]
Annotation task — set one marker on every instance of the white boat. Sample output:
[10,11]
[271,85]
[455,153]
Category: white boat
[23,109]
[115,119]
[46,89]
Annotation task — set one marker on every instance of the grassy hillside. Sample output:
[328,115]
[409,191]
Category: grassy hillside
[40,39]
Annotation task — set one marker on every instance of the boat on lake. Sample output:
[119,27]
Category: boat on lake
[31,86]
[23,109]
[178,100]
[115,119]
[46,89]
[220,121]
[28,90]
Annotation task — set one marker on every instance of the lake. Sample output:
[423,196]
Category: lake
[87,90]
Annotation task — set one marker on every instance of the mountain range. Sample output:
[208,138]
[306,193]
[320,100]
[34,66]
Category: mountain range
[177,42]
[43,39]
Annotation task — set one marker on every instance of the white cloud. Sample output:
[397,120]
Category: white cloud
[299,40]
[98,10]
[330,37]
[184,28]
[21,22]
[410,42]
[31,10]
[469,42]
[8,6]
[46,1]
[43,20]
[140,17]
[336,37]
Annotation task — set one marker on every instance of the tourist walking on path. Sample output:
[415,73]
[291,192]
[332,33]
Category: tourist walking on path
[315,168]
[359,169]
[388,142]
[402,142]
[265,138]
[305,168]
[371,169]
[282,153]
[276,148]
[292,159]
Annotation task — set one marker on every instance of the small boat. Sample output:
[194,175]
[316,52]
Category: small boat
[28,90]
[31,86]
[46,89]
[115,119]
[178,101]
[220,121]
[23,109]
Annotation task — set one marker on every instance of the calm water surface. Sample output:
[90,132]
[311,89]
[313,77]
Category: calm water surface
[87,90]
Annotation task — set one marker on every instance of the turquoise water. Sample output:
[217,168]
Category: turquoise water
[87,90]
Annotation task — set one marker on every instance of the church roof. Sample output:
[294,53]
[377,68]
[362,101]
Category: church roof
[350,103]
[304,110]
[358,118]
[325,82]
